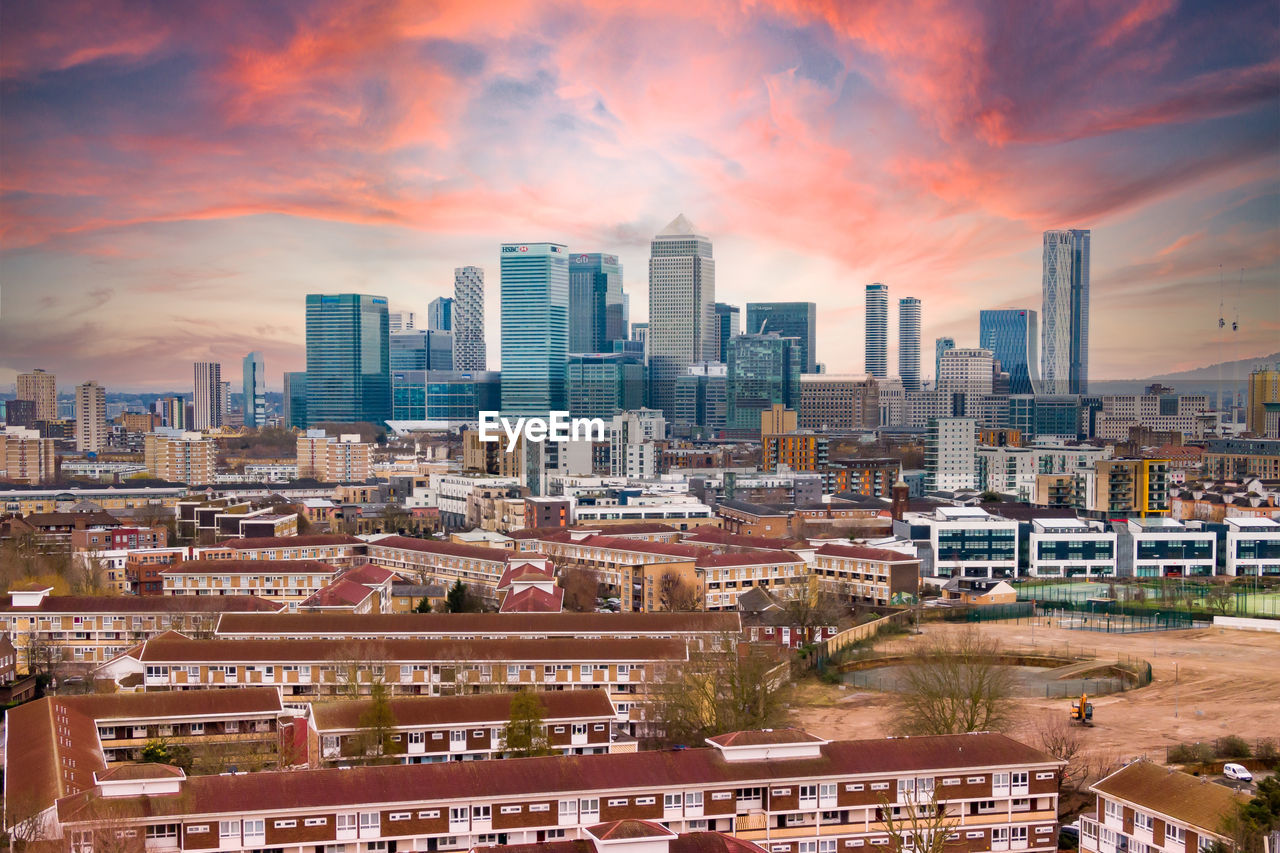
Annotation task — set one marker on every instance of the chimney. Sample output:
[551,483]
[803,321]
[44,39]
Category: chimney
[900,495]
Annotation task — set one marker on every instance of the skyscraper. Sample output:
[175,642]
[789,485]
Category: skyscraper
[877,361]
[797,320]
[348,358]
[941,347]
[682,297]
[40,387]
[601,385]
[1065,312]
[535,327]
[295,399]
[729,324]
[207,398]
[1012,335]
[91,417]
[440,314]
[255,390]
[401,321]
[595,302]
[909,342]
[763,370]
[421,349]
[468,319]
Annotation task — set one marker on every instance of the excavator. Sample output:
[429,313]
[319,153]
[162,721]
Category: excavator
[1082,711]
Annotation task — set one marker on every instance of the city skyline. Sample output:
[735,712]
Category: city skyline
[155,159]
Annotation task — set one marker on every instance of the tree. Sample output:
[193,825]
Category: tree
[424,606]
[810,610]
[395,518]
[1218,598]
[955,684]
[1250,824]
[354,660]
[720,689]
[1054,734]
[581,588]
[376,725]
[460,599]
[674,594]
[921,826]
[162,752]
[525,734]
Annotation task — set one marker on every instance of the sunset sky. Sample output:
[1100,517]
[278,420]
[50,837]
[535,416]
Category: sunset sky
[177,176]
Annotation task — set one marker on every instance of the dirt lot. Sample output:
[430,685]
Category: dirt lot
[1228,682]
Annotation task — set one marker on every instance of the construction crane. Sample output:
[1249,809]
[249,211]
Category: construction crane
[1082,711]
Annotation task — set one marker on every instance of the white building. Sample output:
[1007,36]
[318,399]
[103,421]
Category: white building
[631,443]
[893,402]
[207,399]
[1013,470]
[1162,548]
[1184,413]
[91,417]
[1071,548]
[966,370]
[950,455]
[1253,546]
[682,318]
[468,319]
[970,542]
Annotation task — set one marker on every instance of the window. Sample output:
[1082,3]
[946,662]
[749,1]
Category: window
[954,780]
[1114,810]
[510,809]
[481,812]
[285,824]
[162,831]
[197,728]
[540,807]
[315,821]
[430,814]
[589,808]
[229,830]
[1143,820]
[346,823]
[854,786]
[671,802]
[693,800]
[621,801]
[197,829]
[722,795]
[399,815]
[977,834]
[879,786]
[254,831]
[646,801]
[568,809]
[780,792]
[976,780]
[1175,833]
[1044,775]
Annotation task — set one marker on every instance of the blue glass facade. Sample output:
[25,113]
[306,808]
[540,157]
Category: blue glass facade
[728,325]
[535,327]
[1047,417]
[596,312]
[295,399]
[762,370]
[422,349]
[444,395]
[1013,336]
[797,320]
[348,358]
[601,385]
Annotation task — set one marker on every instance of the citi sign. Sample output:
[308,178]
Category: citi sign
[557,426]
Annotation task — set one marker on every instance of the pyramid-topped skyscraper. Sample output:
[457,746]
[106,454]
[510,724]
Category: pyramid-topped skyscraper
[682,297]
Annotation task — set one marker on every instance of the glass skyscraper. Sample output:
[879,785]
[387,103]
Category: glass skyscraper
[762,370]
[682,296]
[295,400]
[1065,312]
[254,382]
[728,323]
[422,349]
[941,347]
[444,395]
[1013,337]
[601,385]
[909,343]
[877,360]
[535,327]
[348,358]
[440,314]
[596,313]
[797,320]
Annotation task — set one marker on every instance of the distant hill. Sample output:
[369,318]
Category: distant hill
[1201,380]
[1210,372]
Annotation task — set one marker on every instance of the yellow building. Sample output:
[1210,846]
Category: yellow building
[186,457]
[25,457]
[1264,387]
[778,419]
[40,387]
[330,459]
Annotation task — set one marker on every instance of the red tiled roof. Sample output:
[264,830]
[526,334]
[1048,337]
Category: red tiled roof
[470,709]
[128,772]
[525,571]
[765,737]
[237,626]
[142,604]
[863,552]
[340,593]
[748,558]
[719,536]
[549,776]
[616,830]
[643,546]
[434,546]
[255,542]
[246,567]
[533,600]
[369,575]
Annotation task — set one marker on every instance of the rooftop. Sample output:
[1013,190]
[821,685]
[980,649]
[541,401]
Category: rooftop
[476,708]
[1186,798]
[470,624]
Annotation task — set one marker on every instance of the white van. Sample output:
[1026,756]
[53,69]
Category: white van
[1237,771]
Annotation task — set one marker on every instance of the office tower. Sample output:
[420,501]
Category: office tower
[208,395]
[797,320]
[877,361]
[401,321]
[595,302]
[682,298]
[255,390]
[1013,337]
[295,400]
[602,384]
[1065,313]
[950,455]
[763,370]
[833,402]
[348,358]
[1264,388]
[893,402]
[454,397]
[728,324]
[941,346]
[640,333]
[422,349]
[440,314]
[702,400]
[909,342]
[966,370]
[535,327]
[41,387]
[225,405]
[172,412]
[468,319]
[91,417]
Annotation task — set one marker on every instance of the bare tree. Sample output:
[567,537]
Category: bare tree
[811,611]
[1218,598]
[955,684]
[581,588]
[1054,734]
[674,594]
[356,663]
[920,826]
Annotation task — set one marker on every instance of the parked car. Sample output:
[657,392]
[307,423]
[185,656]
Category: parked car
[1237,771]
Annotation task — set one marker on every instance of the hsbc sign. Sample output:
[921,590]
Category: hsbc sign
[510,249]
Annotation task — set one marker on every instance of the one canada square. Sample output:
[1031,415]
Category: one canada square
[1065,315]
[682,297]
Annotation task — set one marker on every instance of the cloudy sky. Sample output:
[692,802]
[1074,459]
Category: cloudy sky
[177,176]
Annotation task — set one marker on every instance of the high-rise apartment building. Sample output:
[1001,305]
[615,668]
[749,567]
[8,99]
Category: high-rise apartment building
[729,324]
[763,370]
[682,296]
[1264,388]
[401,321]
[877,361]
[207,399]
[595,302]
[966,370]
[25,457]
[41,387]
[941,346]
[950,455]
[172,412]
[91,417]
[440,314]
[1065,314]
[1013,336]
[348,358]
[909,342]
[179,457]
[295,399]
[535,327]
[468,319]
[334,459]
[255,390]
[797,320]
